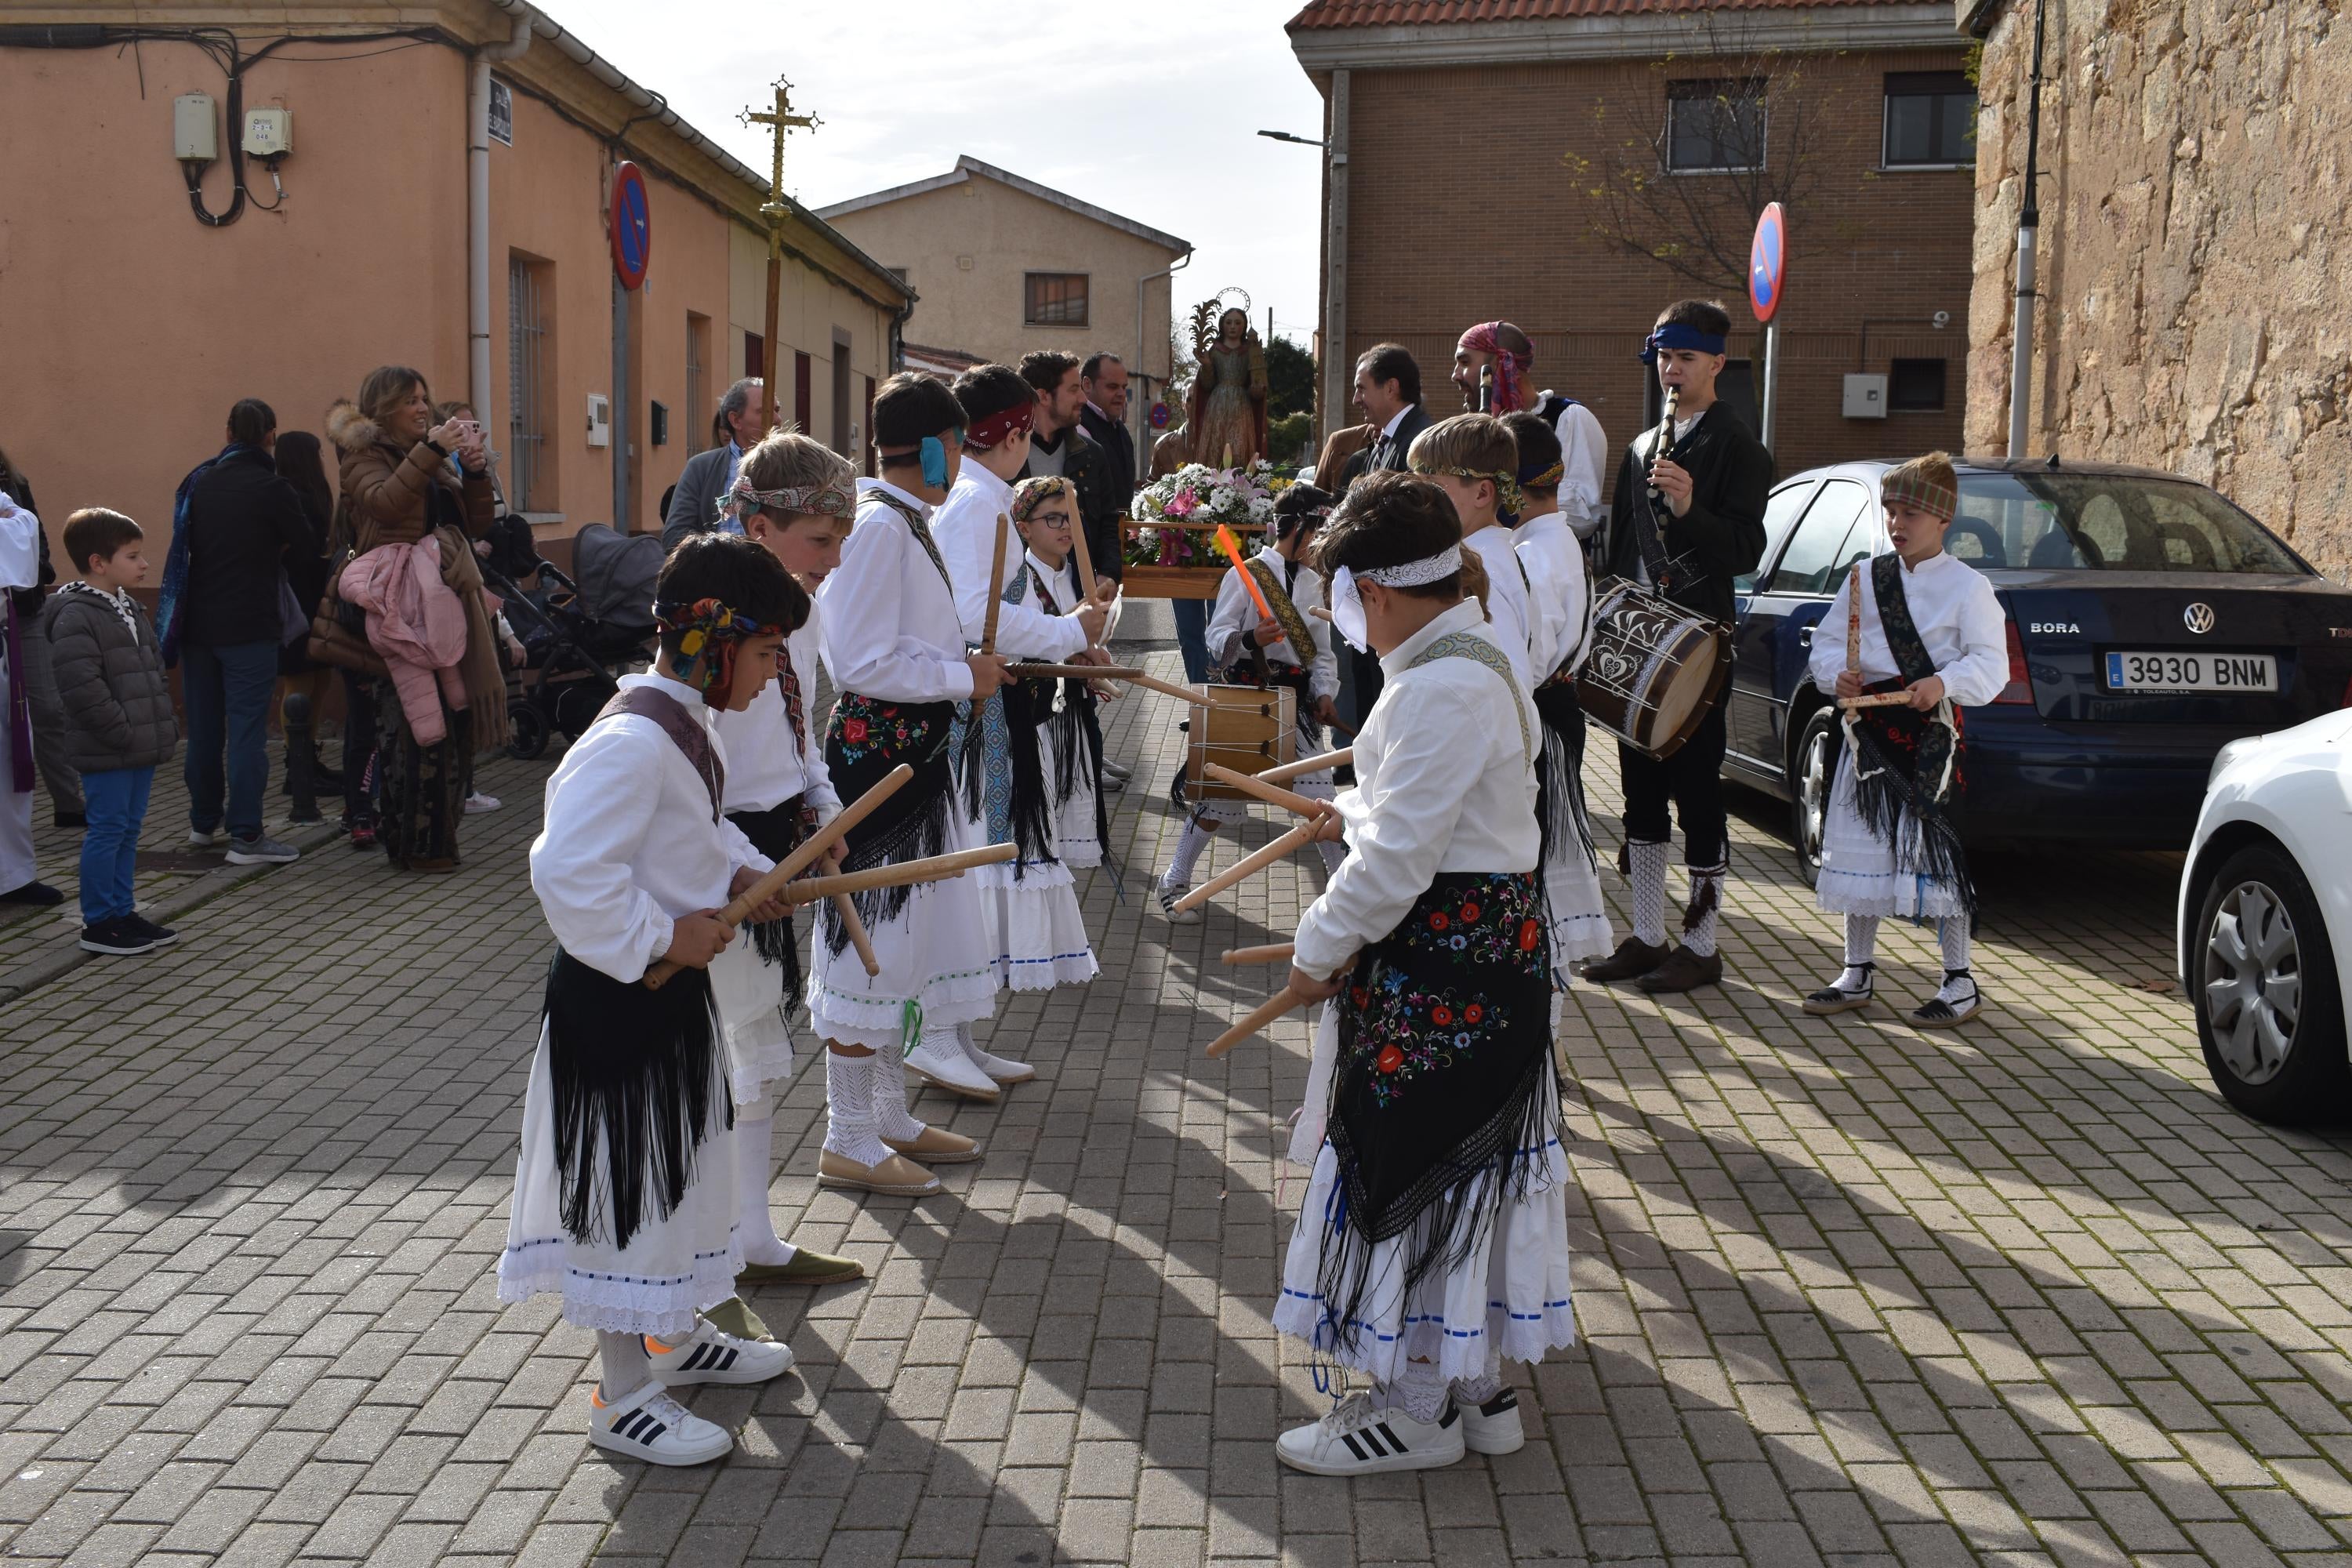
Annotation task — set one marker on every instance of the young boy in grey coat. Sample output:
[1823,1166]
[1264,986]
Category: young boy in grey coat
[119,722]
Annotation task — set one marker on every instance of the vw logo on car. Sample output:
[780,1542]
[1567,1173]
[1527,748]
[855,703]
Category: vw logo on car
[2198,618]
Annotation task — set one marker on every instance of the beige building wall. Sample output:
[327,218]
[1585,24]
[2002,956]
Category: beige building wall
[2195,309]
[109,282]
[811,311]
[966,247]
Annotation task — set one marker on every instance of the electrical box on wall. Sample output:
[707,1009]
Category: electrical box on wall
[1865,396]
[196,137]
[660,423]
[268,133]
[600,420]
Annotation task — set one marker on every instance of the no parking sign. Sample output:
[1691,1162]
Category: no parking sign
[1767,263]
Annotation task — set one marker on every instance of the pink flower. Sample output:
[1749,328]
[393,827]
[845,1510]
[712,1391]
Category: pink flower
[1184,505]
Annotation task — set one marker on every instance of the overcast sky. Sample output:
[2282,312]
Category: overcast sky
[1152,110]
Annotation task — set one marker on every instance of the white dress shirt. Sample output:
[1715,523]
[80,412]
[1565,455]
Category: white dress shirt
[1959,619]
[767,762]
[628,844]
[887,622]
[965,527]
[1507,595]
[1446,781]
[1582,449]
[1236,617]
[1559,597]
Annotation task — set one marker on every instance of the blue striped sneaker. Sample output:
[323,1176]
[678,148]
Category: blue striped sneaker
[649,1424]
[708,1355]
[1364,1437]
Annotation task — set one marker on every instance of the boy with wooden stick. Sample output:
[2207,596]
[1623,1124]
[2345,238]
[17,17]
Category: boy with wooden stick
[894,643]
[625,1196]
[1431,1242]
[1045,511]
[1264,632]
[1928,627]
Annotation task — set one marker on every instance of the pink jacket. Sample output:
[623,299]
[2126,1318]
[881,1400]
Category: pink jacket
[418,624]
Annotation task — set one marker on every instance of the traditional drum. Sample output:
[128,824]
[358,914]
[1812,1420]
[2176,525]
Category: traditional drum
[1248,729]
[1655,667]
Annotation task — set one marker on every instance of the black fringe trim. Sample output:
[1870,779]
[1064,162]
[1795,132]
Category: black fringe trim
[915,836]
[1560,814]
[776,833]
[1020,709]
[1884,790]
[631,1070]
[1706,894]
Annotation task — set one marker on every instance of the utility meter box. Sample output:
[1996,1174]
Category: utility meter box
[195,136]
[600,420]
[1865,396]
[268,133]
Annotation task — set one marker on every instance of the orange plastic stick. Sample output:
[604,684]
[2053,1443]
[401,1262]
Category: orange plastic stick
[1233,549]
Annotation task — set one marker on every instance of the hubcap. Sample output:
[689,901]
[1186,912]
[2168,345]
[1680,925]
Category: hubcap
[2253,983]
[1813,797]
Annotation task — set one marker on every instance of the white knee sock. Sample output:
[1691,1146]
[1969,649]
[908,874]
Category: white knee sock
[1477,1391]
[626,1370]
[1195,839]
[1706,894]
[1647,862]
[1952,933]
[849,1127]
[891,1117]
[755,1226]
[1420,1390]
[1861,952]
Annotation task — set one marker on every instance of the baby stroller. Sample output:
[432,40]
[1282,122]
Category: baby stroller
[580,632]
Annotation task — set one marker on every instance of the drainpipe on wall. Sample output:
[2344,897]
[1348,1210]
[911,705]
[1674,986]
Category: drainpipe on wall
[2029,225]
[1338,371]
[478,216]
[1142,342]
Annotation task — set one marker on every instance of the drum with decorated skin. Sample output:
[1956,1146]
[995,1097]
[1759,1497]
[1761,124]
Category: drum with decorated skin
[1655,669]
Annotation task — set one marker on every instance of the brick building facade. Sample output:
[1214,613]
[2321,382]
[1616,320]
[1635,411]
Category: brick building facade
[1473,150]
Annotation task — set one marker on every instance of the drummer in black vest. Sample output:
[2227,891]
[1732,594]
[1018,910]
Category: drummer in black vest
[1684,525]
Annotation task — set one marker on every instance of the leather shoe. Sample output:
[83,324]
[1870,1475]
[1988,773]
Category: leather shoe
[895,1177]
[937,1146]
[1682,971]
[1633,959]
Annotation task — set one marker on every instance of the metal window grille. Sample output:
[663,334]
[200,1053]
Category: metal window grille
[526,418]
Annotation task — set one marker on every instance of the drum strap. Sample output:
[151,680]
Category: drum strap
[1285,614]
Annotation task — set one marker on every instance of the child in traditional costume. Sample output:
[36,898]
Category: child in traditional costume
[893,642]
[1432,1243]
[1045,511]
[1005,770]
[794,497]
[1559,627]
[1476,463]
[1931,628]
[625,1196]
[1292,649]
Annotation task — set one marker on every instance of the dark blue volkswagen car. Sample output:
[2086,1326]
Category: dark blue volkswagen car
[2151,623]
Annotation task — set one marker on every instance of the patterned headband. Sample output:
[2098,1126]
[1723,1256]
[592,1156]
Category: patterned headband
[1507,499]
[835,497]
[1415,573]
[1543,479]
[1034,493]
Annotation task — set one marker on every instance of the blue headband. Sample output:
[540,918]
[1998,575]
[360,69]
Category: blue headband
[1677,335]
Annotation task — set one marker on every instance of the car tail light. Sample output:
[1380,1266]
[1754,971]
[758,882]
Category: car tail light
[2020,680]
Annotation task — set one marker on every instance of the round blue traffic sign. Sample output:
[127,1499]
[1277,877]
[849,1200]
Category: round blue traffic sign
[632,225]
[1159,417]
[1767,263]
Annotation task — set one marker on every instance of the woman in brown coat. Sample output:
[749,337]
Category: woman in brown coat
[396,488]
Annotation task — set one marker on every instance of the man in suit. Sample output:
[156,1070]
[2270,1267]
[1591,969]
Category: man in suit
[1103,379]
[709,476]
[1387,389]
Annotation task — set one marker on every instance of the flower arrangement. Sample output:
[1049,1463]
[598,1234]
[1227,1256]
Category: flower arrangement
[1172,515]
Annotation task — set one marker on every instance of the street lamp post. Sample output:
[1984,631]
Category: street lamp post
[1334,149]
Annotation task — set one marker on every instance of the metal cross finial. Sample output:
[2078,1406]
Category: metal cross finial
[780,120]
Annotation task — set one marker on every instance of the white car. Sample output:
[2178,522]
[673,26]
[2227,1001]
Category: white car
[2266,922]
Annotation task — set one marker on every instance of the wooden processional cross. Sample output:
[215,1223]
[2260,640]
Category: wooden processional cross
[776,209]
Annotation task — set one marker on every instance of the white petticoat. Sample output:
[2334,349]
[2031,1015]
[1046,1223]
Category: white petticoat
[1033,925]
[1508,1299]
[1074,838]
[672,1267]
[1863,875]
[750,992]
[935,955]
[1580,916]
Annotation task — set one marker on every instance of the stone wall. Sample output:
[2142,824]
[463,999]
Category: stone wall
[2197,286]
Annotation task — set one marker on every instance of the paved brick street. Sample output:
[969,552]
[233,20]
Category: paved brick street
[1852,1294]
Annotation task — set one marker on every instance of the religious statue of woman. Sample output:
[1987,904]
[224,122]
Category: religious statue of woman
[1225,412]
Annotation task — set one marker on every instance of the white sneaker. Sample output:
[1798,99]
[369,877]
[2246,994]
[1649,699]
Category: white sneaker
[478,803]
[1168,897]
[707,1355]
[649,1424]
[941,1063]
[1494,1428]
[198,838]
[1364,1437]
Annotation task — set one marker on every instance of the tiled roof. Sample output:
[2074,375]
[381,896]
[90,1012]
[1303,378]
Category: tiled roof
[1407,13]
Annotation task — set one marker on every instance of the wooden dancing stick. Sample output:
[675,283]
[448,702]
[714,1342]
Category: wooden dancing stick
[1854,620]
[1045,671]
[1273,794]
[1273,952]
[1875,699]
[1319,612]
[1166,689]
[936,869]
[1343,757]
[740,909]
[857,937]
[1296,838]
[995,587]
[1079,542]
[1281,1002]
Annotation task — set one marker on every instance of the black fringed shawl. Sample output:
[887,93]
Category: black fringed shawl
[1907,761]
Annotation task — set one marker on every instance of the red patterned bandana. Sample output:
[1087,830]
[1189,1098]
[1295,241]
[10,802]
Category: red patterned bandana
[1510,393]
[999,427]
